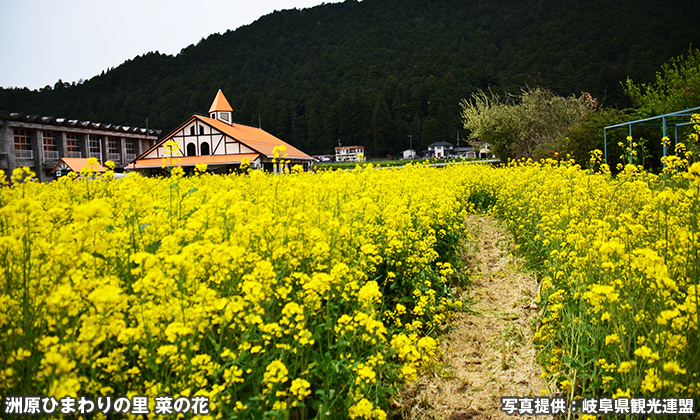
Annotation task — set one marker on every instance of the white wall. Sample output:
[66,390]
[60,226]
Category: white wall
[219,143]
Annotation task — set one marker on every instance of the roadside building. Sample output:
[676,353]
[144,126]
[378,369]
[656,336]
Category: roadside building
[349,153]
[64,166]
[40,142]
[465,152]
[484,150]
[440,150]
[221,144]
[409,154]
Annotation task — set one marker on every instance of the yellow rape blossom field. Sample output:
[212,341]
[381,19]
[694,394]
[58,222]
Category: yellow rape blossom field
[319,295]
[621,263]
[296,296]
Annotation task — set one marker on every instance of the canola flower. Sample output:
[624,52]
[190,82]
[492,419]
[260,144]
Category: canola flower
[274,296]
[318,295]
[619,255]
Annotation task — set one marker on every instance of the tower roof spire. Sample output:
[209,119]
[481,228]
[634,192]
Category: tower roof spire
[220,103]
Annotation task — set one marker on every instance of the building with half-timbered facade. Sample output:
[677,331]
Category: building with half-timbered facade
[221,144]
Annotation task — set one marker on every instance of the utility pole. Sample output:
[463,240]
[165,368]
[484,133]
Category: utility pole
[410,149]
[458,144]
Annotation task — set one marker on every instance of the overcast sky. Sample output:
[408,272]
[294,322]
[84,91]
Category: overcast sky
[46,40]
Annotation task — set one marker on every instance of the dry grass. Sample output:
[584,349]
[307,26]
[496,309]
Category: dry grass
[489,353]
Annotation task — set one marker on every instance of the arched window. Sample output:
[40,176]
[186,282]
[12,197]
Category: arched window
[204,148]
[192,131]
[191,149]
[201,130]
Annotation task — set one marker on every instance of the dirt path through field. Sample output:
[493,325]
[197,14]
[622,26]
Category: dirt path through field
[489,353]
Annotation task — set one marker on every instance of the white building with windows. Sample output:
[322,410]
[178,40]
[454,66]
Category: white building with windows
[440,150]
[40,142]
[349,153]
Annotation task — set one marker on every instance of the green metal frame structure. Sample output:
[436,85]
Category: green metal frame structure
[673,119]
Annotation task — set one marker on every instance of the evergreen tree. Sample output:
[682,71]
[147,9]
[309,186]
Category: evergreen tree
[381,128]
[330,64]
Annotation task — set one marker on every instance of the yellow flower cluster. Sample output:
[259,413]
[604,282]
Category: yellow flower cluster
[299,294]
[620,261]
[271,295]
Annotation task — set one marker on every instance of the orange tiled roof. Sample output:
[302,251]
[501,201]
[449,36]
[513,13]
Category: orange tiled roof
[255,138]
[76,164]
[220,103]
[349,147]
[194,160]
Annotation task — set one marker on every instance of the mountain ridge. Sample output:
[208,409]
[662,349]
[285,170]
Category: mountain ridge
[376,71]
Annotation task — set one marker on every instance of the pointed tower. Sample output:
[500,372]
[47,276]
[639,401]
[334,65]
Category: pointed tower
[220,109]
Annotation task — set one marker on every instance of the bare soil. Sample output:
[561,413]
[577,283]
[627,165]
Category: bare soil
[488,354]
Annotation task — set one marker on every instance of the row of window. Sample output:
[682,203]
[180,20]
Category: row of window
[350,151]
[201,130]
[203,148]
[222,116]
[23,146]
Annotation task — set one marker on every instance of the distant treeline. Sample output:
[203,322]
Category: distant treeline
[375,72]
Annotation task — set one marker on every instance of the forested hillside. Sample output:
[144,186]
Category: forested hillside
[376,71]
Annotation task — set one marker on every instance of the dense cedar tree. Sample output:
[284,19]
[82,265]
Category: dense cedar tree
[376,71]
